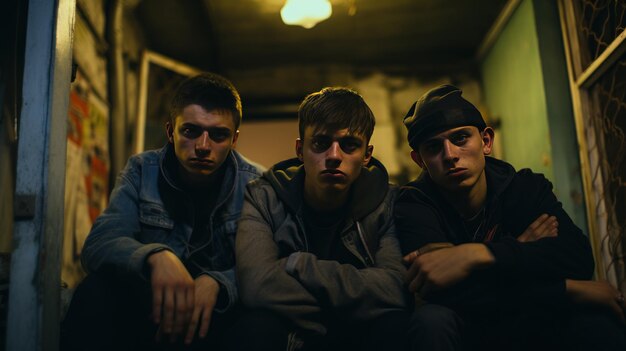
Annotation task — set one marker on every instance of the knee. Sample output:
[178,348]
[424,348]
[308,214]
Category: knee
[435,319]
[598,329]
[435,327]
[91,293]
[259,330]
[101,298]
[263,324]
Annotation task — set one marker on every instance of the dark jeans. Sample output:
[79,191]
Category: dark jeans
[109,314]
[264,330]
[435,327]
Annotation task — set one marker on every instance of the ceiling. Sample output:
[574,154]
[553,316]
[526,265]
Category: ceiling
[405,37]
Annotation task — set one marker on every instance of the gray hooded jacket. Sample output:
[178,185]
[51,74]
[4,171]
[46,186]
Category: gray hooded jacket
[275,271]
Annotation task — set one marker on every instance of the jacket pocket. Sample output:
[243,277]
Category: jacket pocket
[288,238]
[154,215]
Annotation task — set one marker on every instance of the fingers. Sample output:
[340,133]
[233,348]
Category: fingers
[206,322]
[168,311]
[206,296]
[157,301]
[181,315]
[412,272]
[547,228]
[174,313]
[410,257]
[202,315]
[544,226]
[190,301]
[536,228]
[539,222]
[173,294]
[193,325]
[416,284]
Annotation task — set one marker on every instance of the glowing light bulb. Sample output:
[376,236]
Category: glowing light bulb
[305,13]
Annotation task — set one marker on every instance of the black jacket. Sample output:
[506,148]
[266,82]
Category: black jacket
[532,271]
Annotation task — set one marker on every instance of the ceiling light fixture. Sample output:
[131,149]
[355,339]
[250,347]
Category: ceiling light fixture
[305,13]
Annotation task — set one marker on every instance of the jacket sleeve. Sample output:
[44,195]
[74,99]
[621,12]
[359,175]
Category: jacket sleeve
[534,271]
[228,295]
[360,294]
[417,223]
[568,255]
[111,246]
[263,281]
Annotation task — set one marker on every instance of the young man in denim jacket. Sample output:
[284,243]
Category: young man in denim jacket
[495,262]
[316,248]
[161,256]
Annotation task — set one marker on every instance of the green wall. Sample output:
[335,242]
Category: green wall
[525,84]
[513,87]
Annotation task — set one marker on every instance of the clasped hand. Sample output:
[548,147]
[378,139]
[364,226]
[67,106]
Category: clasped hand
[438,266]
[180,303]
[432,270]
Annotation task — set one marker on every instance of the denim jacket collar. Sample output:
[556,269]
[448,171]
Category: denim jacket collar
[168,163]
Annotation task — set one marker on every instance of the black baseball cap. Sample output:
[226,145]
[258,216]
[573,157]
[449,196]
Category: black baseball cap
[440,109]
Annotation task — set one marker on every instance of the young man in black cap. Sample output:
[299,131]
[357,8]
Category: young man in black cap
[316,248]
[494,260]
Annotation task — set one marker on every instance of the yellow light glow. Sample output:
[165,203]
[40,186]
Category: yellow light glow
[305,13]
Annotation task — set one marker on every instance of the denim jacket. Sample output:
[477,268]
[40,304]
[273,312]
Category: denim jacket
[140,220]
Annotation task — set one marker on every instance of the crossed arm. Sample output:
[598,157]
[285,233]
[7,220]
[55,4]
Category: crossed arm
[301,287]
[363,293]
[263,280]
[441,265]
[432,269]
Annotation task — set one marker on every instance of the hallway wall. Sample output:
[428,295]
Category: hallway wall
[526,88]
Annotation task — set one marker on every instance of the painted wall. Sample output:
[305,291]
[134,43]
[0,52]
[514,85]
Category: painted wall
[89,139]
[513,88]
[268,142]
[525,86]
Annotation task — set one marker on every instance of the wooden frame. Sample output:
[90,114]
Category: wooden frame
[590,147]
[154,68]
[35,289]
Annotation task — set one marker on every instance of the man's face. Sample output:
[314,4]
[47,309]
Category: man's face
[202,140]
[455,158]
[332,159]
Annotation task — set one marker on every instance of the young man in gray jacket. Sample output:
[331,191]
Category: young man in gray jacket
[316,248]
[163,250]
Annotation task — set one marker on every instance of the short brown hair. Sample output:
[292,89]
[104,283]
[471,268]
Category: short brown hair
[209,90]
[336,108]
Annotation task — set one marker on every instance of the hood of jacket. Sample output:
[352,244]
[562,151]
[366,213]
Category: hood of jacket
[499,176]
[367,192]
